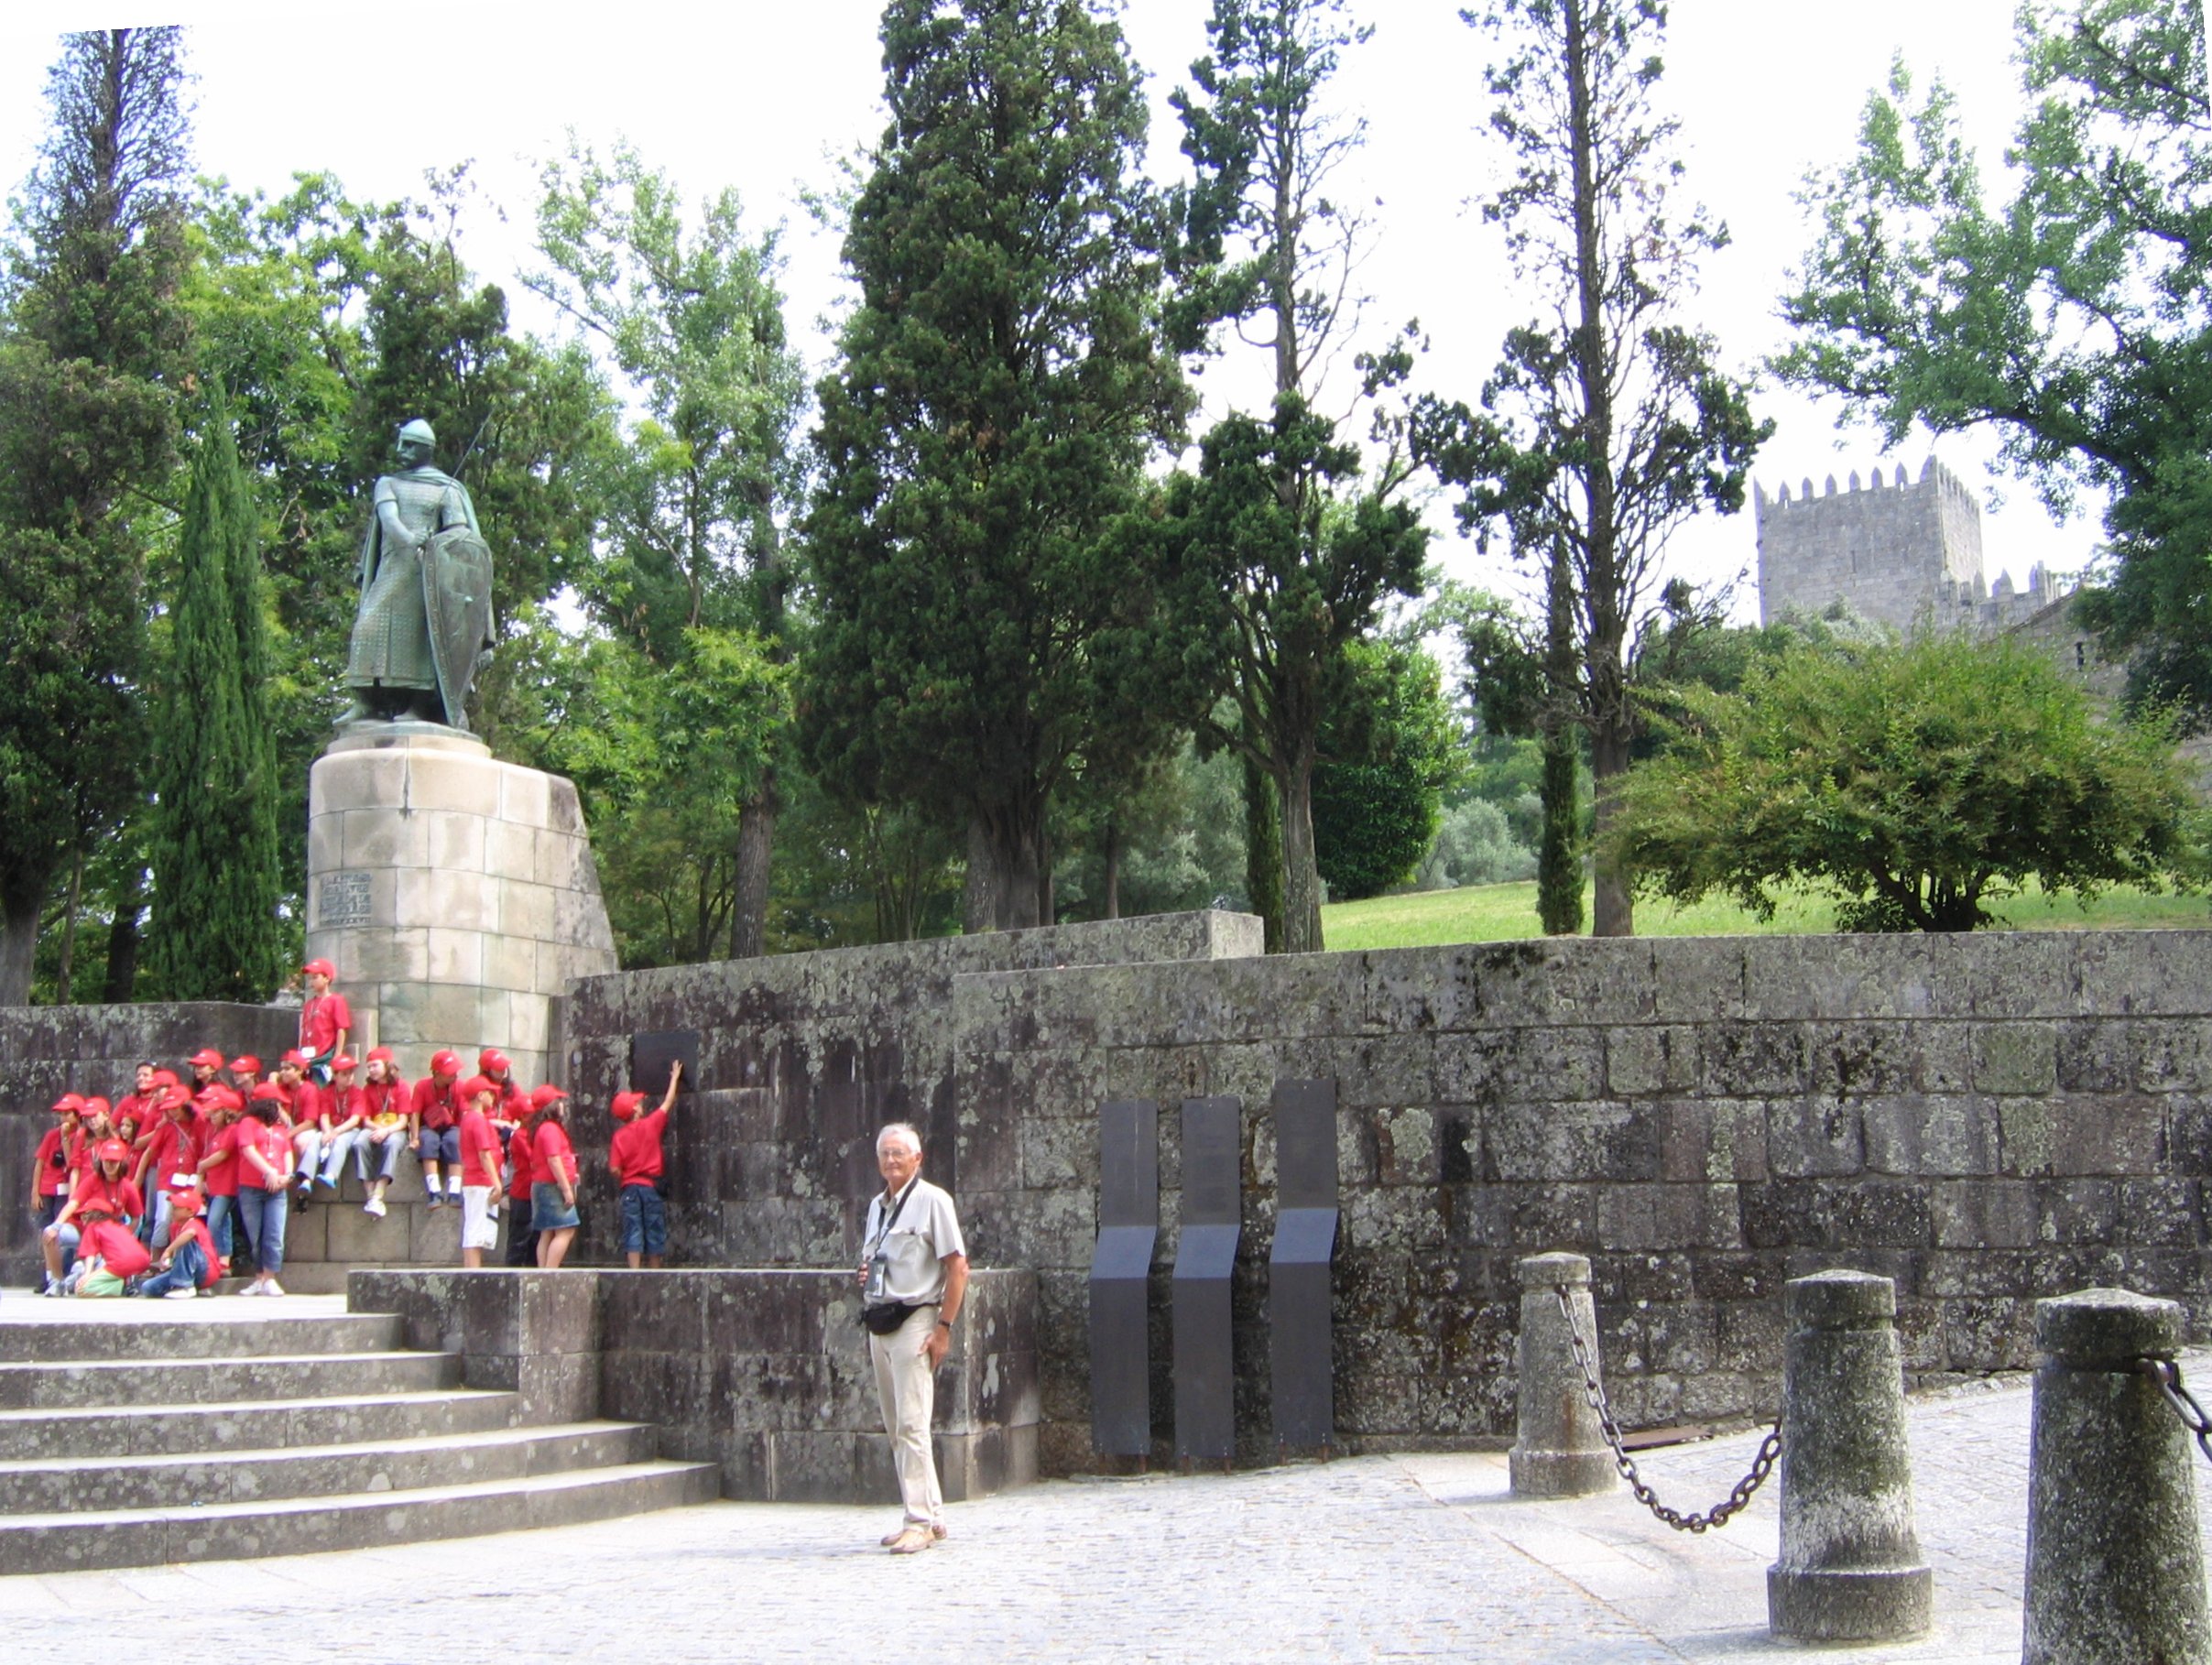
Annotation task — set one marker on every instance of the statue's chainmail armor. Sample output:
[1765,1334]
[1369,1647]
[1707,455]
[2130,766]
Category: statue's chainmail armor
[391,636]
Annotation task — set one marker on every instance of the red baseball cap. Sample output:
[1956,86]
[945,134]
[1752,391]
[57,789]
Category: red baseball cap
[549,1093]
[268,1092]
[96,1105]
[627,1105]
[206,1057]
[246,1063]
[342,1062]
[226,1098]
[319,968]
[478,1084]
[168,1078]
[492,1061]
[114,1150]
[184,1200]
[68,1103]
[295,1058]
[445,1063]
[381,1055]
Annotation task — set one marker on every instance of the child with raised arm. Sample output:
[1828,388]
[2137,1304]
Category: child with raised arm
[639,1167]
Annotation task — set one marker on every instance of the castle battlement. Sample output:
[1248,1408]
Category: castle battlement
[1903,552]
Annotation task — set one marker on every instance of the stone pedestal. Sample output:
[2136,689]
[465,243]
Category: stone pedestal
[456,894]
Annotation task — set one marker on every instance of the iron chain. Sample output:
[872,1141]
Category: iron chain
[2166,1373]
[1720,1513]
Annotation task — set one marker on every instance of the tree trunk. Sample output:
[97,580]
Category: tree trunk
[1300,876]
[1263,852]
[18,945]
[755,846]
[1003,888]
[1614,913]
[64,972]
[1559,854]
[1113,867]
[123,945]
[1047,914]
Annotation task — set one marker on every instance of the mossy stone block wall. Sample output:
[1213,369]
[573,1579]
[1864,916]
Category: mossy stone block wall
[1985,1119]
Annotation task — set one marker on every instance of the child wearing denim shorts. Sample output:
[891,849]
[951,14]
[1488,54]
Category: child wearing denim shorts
[639,1167]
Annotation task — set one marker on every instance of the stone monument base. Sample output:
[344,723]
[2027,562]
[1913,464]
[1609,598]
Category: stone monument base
[456,894]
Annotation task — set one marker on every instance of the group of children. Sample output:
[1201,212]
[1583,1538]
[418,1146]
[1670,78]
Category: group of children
[158,1194]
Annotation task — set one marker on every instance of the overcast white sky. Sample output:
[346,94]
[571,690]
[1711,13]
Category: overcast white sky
[762,97]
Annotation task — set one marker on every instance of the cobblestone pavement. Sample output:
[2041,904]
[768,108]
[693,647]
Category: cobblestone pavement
[1373,1558]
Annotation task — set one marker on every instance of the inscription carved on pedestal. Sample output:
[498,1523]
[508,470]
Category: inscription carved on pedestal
[341,898]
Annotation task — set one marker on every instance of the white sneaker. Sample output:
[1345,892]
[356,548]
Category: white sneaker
[272,1288]
[374,1206]
[251,1289]
[185,1294]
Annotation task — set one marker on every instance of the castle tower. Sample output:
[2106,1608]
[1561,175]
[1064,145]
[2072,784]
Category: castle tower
[1901,554]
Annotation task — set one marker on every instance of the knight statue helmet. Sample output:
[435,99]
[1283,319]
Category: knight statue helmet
[416,442]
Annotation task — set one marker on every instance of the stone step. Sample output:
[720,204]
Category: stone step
[56,1331]
[82,1484]
[130,1382]
[242,1531]
[149,1431]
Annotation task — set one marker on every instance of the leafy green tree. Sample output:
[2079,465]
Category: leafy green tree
[1607,421]
[1389,749]
[215,934]
[1918,782]
[692,320]
[2071,314]
[92,352]
[980,624]
[1299,541]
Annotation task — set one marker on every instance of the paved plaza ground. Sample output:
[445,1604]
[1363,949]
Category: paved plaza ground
[1369,1558]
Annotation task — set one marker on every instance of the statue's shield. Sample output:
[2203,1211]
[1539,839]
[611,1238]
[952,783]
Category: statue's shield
[457,594]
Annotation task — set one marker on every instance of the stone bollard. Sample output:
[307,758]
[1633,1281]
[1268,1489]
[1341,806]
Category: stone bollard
[1559,1451]
[1850,1567]
[2115,1574]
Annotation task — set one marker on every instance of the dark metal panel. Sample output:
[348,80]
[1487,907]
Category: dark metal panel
[1121,1266]
[1205,1256]
[1300,1348]
[652,1052]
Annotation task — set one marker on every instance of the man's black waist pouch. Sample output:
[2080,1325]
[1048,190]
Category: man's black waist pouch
[885,1319]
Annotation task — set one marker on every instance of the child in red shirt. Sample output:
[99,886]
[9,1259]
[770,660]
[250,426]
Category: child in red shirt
[219,1173]
[325,1019]
[553,1165]
[479,1170]
[434,1130]
[635,1155]
[188,1265]
[264,1181]
[110,1257]
[172,1150]
[106,1187]
[51,1170]
[522,1175]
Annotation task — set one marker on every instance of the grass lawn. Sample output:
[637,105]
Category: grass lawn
[1495,913]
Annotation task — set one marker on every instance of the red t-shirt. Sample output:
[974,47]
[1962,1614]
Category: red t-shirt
[175,1148]
[634,1153]
[514,1104]
[552,1156]
[137,1109]
[320,1018]
[274,1144]
[121,1196]
[125,1255]
[476,1139]
[380,1097]
[194,1230]
[522,1159]
[55,1171]
[311,1102]
[435,1104]
[222,1177]
[347,1102]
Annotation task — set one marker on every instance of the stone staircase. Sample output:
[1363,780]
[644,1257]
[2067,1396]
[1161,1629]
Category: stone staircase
[148,1433]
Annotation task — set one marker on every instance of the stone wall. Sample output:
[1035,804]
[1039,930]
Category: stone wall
[1984,1119]
[1898,552]
[766,1373]
[47,1050]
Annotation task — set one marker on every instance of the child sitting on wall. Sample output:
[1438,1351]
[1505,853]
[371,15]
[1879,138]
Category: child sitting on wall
[640,1169]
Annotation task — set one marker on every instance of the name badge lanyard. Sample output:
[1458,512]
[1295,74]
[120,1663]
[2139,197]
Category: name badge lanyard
[891,1225]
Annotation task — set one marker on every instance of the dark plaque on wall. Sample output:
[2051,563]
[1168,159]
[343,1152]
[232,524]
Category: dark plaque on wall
[1300,1343]
[1205,1256]
[1121,1265]
[651,1053]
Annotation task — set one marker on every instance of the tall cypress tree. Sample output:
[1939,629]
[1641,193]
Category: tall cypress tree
[214,933]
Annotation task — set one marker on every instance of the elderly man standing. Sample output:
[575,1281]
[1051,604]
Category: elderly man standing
[913,1276]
